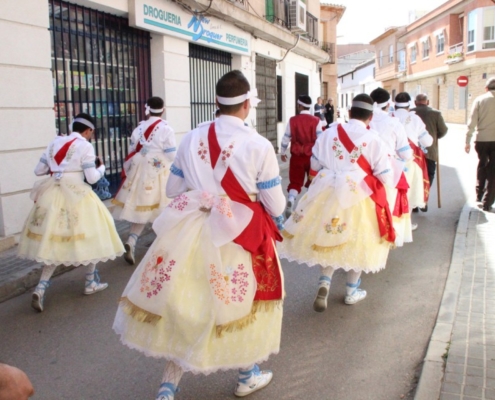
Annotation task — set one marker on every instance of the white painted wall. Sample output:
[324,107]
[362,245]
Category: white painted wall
[26,105]
[361,81]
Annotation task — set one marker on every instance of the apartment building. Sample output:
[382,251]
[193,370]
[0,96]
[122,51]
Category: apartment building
[106,57]
[454,41]
[390,61]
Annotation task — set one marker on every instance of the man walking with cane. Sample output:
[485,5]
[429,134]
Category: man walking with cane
[435,125]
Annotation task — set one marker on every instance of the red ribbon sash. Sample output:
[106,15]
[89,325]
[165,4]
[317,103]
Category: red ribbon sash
[259,236]
[401,202]
[378,195]
[139,146]
[59,157]
[420,159]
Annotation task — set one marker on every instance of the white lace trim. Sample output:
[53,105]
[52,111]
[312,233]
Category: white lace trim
[313,262]
[184,365]
[71,263]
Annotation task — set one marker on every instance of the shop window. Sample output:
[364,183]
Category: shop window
[206,67]
[100,66]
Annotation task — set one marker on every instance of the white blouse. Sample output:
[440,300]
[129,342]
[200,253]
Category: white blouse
[415,128]
[79,158]
[250,156]
[330,154]
[392,133]
[161,139]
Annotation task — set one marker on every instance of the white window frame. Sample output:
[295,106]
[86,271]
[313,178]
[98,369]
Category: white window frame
[488,28]
[425,42]
[391,54]
[414,53]
[380,59]
[401,58]
[471,31]
[440,42]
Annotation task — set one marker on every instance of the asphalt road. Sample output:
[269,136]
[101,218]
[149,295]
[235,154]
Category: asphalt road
[368,351]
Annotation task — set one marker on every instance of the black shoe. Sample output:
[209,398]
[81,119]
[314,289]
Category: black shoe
[415,209]
[425,208]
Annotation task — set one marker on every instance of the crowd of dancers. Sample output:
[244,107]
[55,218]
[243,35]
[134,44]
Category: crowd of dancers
[208,295]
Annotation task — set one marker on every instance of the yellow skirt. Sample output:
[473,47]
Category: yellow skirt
[69,225]
[416,192]
[321,233]
[178,322]
[142,196]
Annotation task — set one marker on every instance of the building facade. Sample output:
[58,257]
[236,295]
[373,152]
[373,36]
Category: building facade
[455,40]
[390,60]
[106,57]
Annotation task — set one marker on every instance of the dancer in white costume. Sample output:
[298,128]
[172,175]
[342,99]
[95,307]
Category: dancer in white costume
[344,221]
[141,197]
[68,223]
[419,139]
[394,137]
[207,296]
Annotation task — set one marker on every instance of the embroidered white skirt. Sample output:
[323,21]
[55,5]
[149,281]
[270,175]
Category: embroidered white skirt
[142,195]
[68,225]
[415,194]
[172,304]
[320,232]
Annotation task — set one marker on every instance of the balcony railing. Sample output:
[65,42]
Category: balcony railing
[456,48]
[280,15]
[330,49]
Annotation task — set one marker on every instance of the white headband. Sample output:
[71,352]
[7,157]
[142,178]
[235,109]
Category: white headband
[402,104]
[363,105]
[149,110]
[381,105]
[303,104]
[84,121]
[252,96]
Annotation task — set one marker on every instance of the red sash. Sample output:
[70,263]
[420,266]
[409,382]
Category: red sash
[378,195]
[59,157]
[401,202]
[139,146]
[258,237]
[420,159]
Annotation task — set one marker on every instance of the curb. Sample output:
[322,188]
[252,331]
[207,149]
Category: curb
[430,381]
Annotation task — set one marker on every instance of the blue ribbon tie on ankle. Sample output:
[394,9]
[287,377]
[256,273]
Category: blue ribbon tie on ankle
[354,285]
[45,284]
[324,278]
[253,371]
[168,389]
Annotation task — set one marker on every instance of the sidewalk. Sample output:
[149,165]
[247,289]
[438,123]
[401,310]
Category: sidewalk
[460,360]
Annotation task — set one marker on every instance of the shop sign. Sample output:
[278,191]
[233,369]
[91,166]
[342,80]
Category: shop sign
[170,19]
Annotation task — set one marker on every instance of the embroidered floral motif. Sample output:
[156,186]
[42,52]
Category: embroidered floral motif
[38,216]
[352,184]
[296,217]
[356,152]
[334,227]
[156,163]
[67,219]
[156,273]
[227,153]
[148,185]
[76,189]
[70,152]
[231,287]
[224,207]
[337,148]
[180,202]
[203,152]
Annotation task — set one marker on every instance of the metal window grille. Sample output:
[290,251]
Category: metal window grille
[266,111]
[206,67]
[100,66]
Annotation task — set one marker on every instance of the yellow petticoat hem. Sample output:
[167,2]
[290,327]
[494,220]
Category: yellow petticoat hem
[56,238]
[118,203]
[286,234]
[147,208]
[138,313]
[142,315]
[325,249]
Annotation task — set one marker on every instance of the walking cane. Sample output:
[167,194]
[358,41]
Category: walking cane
[439,197]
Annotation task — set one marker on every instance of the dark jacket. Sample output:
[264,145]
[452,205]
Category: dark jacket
[435,125]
